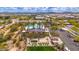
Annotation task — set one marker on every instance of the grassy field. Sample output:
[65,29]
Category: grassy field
[41,48]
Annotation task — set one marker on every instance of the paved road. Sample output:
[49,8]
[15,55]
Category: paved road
[72,46]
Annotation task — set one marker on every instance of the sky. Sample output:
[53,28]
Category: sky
[39,9]
[39,5]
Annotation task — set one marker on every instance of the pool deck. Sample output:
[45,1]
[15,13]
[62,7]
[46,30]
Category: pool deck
[35,30]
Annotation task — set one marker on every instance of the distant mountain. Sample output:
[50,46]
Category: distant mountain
[39,9]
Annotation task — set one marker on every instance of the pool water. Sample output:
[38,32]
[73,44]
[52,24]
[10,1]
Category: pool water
[34,26]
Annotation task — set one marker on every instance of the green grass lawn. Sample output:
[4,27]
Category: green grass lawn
[41,48]
[75,29]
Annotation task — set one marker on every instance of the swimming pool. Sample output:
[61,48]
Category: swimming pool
[34,26]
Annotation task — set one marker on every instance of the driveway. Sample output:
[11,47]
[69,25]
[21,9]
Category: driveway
[68,41]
